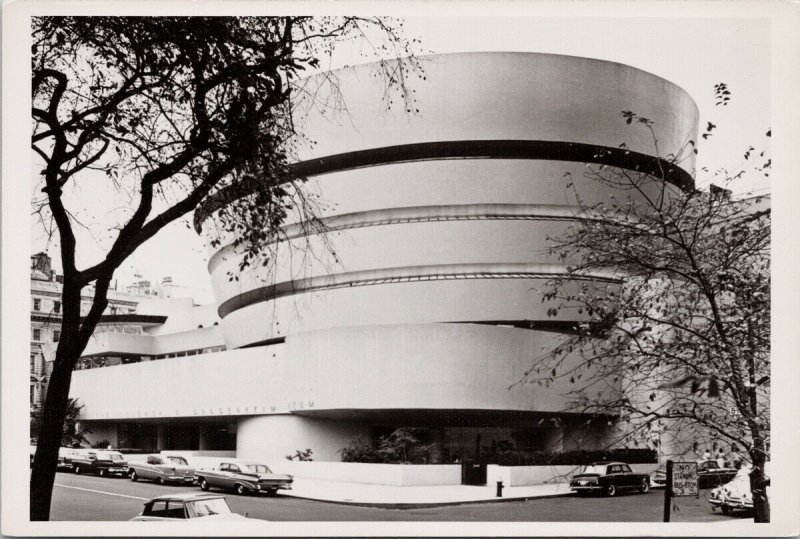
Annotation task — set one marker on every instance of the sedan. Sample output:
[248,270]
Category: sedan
[188,506]
[162,469]
[734,495]
[243,476]
[609,478]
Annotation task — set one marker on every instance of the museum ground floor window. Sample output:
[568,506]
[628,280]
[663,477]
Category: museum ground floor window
[184,436]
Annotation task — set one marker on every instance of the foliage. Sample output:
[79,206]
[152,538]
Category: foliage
[102,444]
[301,455]
[402,446]
[164,113]
[576,457]
[677,344]
[359,450]
[73,435]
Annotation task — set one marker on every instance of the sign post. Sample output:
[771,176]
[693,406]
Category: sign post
[667,492]
[682,480]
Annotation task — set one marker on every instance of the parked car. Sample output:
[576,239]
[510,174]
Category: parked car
[101,462]
[709,475]
[609,478]
[162,469]
[188,506]
[734,495]
[66,455]
[243,476]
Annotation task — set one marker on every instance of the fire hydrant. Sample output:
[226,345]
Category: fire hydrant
[499,487]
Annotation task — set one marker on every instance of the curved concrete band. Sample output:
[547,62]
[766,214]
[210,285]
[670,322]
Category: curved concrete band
[461,149]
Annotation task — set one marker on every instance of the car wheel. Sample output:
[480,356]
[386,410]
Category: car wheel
[611,490]
[272,492]
[725,509]
[134,477]
[645,486]
[240,489]
[102,473]
[77,470]
[203,484]
[161,481]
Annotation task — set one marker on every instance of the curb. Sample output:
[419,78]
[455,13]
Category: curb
[413,505]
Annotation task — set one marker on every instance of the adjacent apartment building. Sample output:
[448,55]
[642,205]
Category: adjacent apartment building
[46,286]
[421,306]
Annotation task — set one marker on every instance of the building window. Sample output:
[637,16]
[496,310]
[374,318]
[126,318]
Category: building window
[37,334]
[56,335]
[33,362]
[56,307]
[37,304]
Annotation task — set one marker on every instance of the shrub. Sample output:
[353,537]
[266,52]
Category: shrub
[402,446]
[359,450]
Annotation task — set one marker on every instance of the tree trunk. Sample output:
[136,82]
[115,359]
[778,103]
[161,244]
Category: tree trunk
[758,485]
[52,427]
[74,337]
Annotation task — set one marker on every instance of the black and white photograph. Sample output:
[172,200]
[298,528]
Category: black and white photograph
[363,269]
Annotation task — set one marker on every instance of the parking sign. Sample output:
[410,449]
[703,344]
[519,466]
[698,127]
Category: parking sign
[684,479]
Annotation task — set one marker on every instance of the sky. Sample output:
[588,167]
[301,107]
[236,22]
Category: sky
[694,53]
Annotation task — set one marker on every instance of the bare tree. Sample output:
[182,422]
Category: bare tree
[167,112]
[676,346]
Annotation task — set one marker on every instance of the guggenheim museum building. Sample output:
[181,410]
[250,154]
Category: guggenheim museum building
[420,304]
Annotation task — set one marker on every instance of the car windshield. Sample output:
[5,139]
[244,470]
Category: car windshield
[180,461]
[595,468]
[257,468]
[214,506]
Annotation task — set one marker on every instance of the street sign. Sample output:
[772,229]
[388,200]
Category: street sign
[684,479]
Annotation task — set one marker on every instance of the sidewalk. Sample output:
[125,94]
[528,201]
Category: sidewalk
[409,497]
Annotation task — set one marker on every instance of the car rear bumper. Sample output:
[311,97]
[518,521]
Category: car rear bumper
[586,488]
[180,479]
[273,486]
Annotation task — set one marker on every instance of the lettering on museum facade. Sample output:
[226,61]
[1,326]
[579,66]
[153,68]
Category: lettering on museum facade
[256,409]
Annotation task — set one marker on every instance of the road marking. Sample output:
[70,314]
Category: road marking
[101,492]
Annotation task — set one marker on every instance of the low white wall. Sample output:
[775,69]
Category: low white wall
[517,476]
[404,475]
[401,475]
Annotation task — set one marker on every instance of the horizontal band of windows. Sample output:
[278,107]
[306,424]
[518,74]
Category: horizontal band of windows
[419,214]
[544,150]
[406,275]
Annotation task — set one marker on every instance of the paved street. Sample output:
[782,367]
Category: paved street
[93,498]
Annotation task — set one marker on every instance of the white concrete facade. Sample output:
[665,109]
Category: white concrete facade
[427,313]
